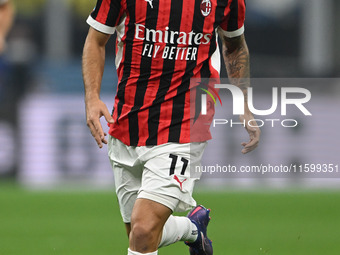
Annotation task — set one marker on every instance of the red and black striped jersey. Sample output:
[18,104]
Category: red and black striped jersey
[161,45]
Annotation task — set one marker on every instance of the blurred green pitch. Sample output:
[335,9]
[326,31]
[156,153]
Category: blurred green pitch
[243,223]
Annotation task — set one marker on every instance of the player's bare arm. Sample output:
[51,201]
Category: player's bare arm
[93,69]
[6,21]
[236,57]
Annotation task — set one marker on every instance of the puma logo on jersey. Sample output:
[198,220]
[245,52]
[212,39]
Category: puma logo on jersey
[180,182]
[150,2]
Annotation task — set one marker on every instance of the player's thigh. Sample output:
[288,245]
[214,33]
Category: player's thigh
[150,213]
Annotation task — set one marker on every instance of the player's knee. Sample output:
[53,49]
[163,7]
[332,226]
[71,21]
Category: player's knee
[143,233]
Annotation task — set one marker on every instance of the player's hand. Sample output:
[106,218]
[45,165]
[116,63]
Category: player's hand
[95,109]
[253,131]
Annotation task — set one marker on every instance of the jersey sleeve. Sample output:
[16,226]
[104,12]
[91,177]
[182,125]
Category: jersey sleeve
[105,16]
[232,24]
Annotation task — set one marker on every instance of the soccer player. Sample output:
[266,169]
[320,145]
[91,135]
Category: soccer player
[6,20]
[160,46]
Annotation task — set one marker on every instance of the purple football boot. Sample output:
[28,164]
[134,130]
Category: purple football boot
[200,217]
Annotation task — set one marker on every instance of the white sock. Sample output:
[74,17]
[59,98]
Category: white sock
[138,253]
[178,229]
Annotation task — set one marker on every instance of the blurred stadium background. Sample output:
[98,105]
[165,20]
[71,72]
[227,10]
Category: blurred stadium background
[56,186]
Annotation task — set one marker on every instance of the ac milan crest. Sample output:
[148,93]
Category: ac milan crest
[205,7]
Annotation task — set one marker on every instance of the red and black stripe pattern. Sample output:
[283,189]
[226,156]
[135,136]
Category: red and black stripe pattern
[162,46]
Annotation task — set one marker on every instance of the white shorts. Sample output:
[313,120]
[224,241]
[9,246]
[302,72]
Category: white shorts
[162,173]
